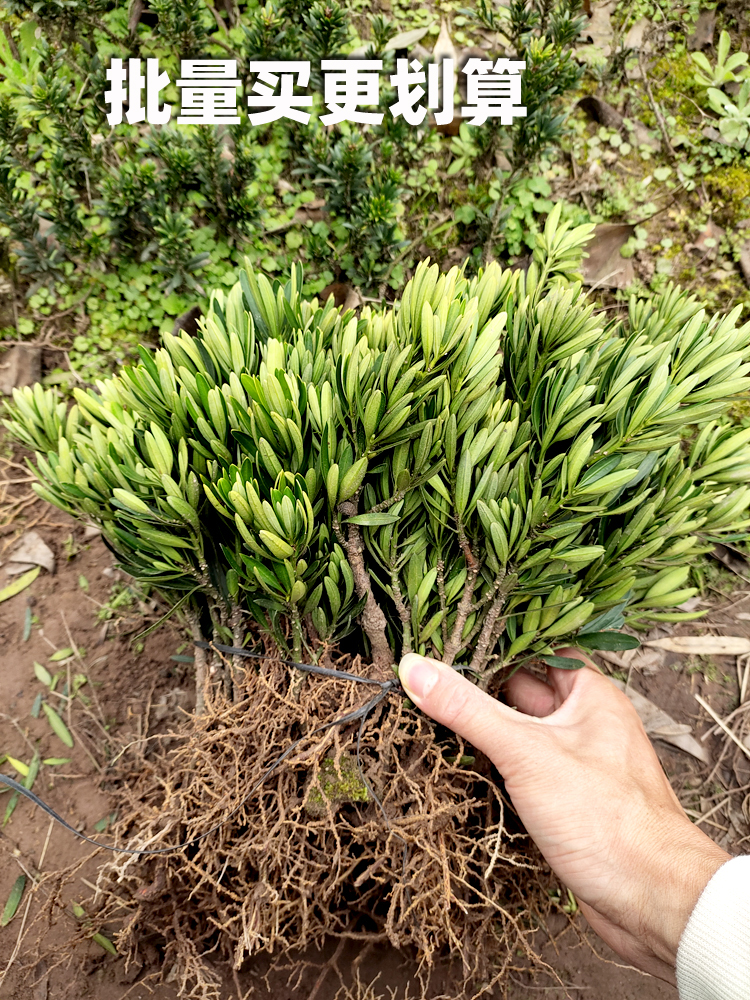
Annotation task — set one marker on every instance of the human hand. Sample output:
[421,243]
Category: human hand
[589,788]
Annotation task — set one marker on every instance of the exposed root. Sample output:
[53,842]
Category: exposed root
[284,873]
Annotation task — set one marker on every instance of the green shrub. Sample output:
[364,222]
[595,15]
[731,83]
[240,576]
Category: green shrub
[77,196]
[484,471]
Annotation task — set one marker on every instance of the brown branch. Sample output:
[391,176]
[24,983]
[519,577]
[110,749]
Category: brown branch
[464,605]
[98,23]
[403,613]
[218,18]
[201,673]
[488,597]
[11,41]
[372,617]
[479,659]
[443,601]
[400,494]
[385,504]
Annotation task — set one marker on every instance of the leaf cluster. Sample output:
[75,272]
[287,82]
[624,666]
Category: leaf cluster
[489,461]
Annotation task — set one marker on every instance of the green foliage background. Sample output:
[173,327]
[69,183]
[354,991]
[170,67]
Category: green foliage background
[121,229]
[106,235]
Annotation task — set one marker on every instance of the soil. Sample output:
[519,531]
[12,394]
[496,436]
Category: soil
[134,687]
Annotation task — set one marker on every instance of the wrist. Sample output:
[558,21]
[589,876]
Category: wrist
[686,862]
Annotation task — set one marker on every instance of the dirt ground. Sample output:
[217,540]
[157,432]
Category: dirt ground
[132,691]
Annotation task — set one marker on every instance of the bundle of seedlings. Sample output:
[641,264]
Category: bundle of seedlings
[484,472]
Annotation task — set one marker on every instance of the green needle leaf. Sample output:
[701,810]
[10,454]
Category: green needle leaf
[58,726]
[42,674]
[372,520]
[607,640]
[14,899]
[563,662]
[23,769]
[20,584]
[61,654]
[105,943]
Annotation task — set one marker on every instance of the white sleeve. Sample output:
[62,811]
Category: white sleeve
[713,959]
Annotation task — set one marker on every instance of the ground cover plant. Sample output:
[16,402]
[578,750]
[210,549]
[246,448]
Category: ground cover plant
[96,220]
[486,471]
[108,234]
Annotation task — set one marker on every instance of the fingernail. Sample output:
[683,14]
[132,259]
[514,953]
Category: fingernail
[418,675]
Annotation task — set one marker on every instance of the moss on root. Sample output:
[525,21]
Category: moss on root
[336,785]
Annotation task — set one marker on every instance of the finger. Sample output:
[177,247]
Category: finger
[530,694]
[443,694]
[563,682]
[578,691]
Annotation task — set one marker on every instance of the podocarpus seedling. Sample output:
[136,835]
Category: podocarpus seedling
[481,472]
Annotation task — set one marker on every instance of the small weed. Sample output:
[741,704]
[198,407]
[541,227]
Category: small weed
[704,666]
[71,547]
[122,599]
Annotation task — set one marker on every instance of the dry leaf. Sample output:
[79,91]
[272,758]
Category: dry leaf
[636,34]
[445,49]
[600,111]
[599,30]
[17,568]
[341,292]
[21,366]
[648,661]
[703,35]
[473,52]
[405,39]
[188,321]
[32,550]
[703,645]
[745,262]
[661,726]
[691,604]
[614,658]
[605,267]
[715,136]
[353,299]
[710,232]
[19,584]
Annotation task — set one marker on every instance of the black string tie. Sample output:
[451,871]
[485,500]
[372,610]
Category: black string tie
[385,688]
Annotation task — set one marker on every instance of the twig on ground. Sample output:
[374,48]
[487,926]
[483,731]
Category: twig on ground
[719,722]
[712,812]
[657,110]
[46,845]
[713,731]
[698,817]
[19,939]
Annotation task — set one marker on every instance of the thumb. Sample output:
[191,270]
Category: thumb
[452,700]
